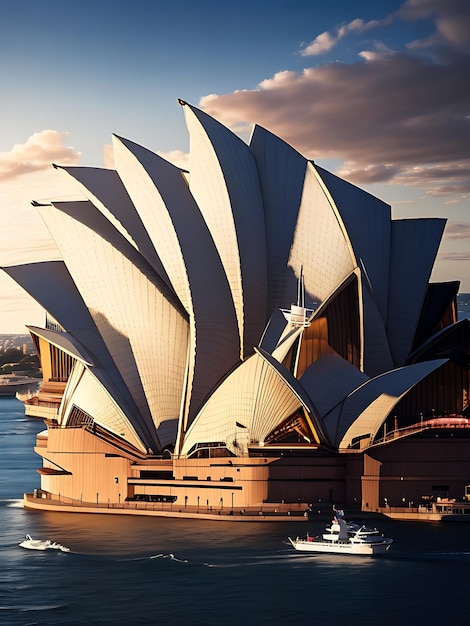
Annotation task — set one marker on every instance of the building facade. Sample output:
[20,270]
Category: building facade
[254,331]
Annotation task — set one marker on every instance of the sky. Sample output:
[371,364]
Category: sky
[376,92]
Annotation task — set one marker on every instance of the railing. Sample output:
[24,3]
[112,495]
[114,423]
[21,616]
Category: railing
[446,422]
[265,510]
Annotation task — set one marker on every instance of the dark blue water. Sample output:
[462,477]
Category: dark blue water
[124,570]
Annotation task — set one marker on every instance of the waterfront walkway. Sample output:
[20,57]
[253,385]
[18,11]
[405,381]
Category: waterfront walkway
[266,512]
[434,512]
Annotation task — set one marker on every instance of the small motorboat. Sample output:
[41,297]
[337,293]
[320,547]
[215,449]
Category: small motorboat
[39,544]
[342,537]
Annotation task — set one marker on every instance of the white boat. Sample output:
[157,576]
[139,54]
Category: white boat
[342,537]
[40,544]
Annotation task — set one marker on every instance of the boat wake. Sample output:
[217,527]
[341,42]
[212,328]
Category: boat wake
[12,504]
[172,557]
[259,561]
[38,544]
[233,562]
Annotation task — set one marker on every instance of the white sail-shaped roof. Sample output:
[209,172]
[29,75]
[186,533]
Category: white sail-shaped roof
[145,332]
[224,182]
[414,244]
[97,394]
[85,392]
[175,224]
[259,395]
[367,221]
[282,173]
[365,410]
[320,242]
[135,166]
[104,188]
[43,281]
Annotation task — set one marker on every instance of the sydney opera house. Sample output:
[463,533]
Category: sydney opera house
[254,333]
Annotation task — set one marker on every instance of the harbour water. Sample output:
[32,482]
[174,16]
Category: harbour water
[123,571]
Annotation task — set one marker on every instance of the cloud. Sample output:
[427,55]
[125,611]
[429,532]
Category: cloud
[321,44]
[108,156]
[438,180]
[457,230]
[36,154]
[368,174]
[454,256]
[326,41]
[177,157]
[384,116]
[450,18]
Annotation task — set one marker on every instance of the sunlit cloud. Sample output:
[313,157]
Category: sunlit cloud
[391,116]
[385,111]
[369,173]
[438,180]
[36,154]
[325,41]
[177,157]
[379,52]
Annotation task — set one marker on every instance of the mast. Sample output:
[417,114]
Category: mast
[297,314]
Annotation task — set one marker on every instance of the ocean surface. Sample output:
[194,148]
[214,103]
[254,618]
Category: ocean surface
[129,571]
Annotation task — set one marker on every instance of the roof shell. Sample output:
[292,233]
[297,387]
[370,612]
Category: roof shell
[43,281]
[281,173]
[367,221]
[224,182]
[364,411]
[259,394]
[184,243]
[145,331]
[320,245]
[104,188]
[414,244]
